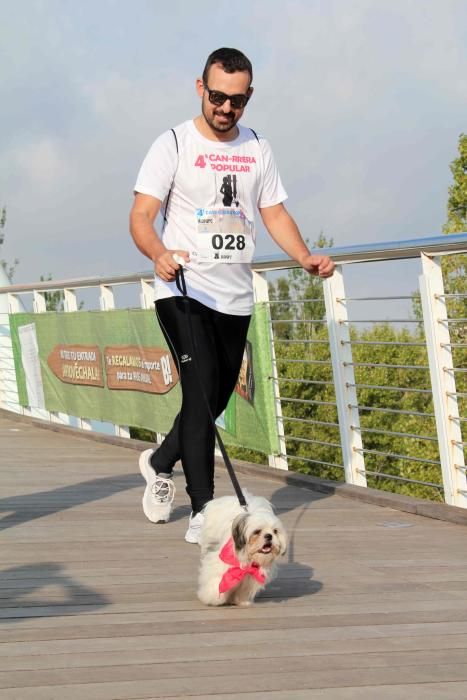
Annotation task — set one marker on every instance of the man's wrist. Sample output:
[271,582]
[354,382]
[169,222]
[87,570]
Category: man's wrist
[158,253]
[301,259]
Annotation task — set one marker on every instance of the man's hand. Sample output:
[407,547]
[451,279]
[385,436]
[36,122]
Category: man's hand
[320,265]
[165,266]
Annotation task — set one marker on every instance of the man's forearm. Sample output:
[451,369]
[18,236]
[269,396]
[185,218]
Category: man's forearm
[284,231]
[145,236]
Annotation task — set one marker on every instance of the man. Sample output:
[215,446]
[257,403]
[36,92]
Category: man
[208,176]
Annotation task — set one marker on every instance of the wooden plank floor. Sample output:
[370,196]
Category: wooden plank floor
[98,603]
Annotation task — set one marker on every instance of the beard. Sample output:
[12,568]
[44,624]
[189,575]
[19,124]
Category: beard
[219,121]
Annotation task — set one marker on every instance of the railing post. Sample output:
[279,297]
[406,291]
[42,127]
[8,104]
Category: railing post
[261,293]
[146,296]
[69,300]
[39,305]
[9,398]
[106,299]
[69,305]
[344,379]
[36,410]
[14,304]
[146,299]
[443,381]
[107,303]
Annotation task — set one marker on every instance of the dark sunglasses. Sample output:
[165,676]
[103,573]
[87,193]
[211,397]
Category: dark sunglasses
[219,98]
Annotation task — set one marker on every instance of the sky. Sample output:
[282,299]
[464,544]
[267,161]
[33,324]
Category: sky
[363,102]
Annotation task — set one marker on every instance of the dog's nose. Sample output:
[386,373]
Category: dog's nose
[268,536]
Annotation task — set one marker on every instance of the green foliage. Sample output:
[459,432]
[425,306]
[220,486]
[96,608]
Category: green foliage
[310,416]
[2,223]
[54,301]
[143,434]
[455,266]
[297,297]
[457,199]
[8,269]
[246,455]
[393,392]
[407,393]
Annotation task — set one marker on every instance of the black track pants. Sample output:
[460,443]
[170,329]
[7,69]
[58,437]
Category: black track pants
[219,342]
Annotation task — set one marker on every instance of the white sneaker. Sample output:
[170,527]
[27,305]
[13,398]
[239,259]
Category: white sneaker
[193,534]
[159,492]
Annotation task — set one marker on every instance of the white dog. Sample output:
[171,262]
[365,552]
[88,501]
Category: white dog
[239,549]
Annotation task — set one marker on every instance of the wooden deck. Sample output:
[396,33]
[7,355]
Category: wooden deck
[98,603]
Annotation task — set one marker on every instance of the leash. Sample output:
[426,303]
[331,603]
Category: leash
[181,286]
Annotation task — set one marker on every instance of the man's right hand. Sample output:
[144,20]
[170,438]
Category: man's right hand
[165,266]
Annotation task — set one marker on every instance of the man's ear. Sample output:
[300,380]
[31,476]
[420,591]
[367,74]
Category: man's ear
[199,87]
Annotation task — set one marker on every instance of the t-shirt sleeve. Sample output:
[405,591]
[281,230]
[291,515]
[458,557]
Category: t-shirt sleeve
[158,169]
[272,191]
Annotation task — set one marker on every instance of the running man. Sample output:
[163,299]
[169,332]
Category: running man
[184,177]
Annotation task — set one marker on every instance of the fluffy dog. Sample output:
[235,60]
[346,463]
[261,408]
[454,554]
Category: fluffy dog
[239,549]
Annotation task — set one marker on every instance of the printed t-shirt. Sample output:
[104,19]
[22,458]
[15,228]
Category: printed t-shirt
[217,188]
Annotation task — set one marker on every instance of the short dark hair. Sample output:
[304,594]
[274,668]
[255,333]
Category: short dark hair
[231,61]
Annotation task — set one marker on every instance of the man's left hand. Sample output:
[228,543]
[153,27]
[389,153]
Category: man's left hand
[320,265]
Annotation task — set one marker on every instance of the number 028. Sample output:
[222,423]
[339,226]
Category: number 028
[228,242]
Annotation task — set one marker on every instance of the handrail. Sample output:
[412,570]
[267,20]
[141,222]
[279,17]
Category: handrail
[367,252]
[374,252]
[336,345]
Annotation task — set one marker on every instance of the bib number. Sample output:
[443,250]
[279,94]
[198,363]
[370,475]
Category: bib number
[228,242]
[224,235]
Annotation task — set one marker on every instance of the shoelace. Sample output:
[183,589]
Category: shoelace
[162,490]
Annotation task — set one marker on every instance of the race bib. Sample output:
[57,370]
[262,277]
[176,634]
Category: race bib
[224,235]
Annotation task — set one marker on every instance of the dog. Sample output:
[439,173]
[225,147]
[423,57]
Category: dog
[239,549]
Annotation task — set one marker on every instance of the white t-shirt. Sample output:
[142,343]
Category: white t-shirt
[217,188]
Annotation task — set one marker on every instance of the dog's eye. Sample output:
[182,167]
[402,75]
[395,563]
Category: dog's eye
[257,532]
[276,531]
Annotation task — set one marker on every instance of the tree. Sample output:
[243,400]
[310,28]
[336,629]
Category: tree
[54,301]
[9,269]
[457,200]
[298,300]
[2,223]
[455,267]
[394,393]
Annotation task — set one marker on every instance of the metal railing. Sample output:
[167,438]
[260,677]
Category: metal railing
[378,402]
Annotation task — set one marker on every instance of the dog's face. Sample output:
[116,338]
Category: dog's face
[259,537]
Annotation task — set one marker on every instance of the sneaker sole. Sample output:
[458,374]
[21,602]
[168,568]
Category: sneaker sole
[143,467]
[191,540]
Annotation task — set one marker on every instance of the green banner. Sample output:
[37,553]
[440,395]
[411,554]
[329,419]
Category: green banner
[115,366]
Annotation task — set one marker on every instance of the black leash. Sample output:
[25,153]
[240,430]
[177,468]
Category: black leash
[181,286]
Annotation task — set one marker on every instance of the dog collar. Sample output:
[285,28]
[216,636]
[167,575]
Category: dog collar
[236,572]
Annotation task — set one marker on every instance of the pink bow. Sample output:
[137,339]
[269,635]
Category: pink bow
[236,572]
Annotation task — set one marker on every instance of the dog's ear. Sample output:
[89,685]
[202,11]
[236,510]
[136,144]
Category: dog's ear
[239,531]
[283,541]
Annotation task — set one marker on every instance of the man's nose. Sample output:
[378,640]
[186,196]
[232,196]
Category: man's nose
[226,107]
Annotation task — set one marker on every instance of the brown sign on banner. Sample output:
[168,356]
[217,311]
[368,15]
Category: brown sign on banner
[135,368]
[77,364]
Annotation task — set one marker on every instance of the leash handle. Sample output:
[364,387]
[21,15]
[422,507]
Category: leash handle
[181,286]
[179,275]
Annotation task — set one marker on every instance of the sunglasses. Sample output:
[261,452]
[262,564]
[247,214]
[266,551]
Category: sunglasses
[219,98]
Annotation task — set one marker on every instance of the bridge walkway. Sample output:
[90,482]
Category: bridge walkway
[98,603]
